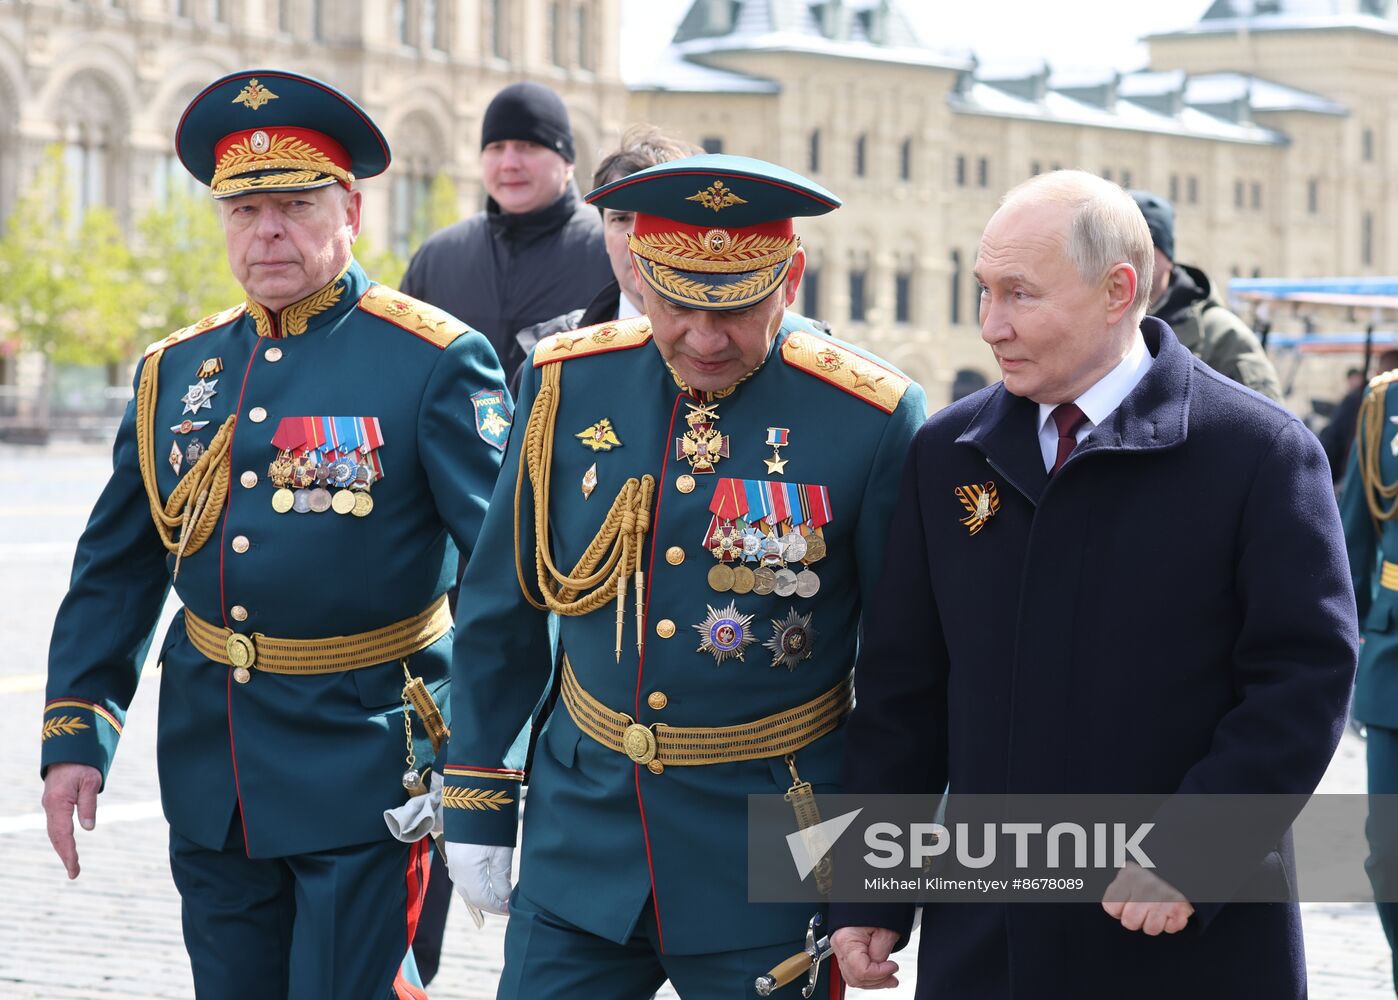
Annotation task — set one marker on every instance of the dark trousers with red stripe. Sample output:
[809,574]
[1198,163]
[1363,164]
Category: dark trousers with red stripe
[545,956]
[333,925]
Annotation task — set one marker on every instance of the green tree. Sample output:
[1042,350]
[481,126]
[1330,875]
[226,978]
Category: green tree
[183,265]
[37,284]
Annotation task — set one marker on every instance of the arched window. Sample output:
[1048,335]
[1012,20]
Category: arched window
[861,156]
[417,160]
[813,157]
[965,382]
[955,287]
[91,128]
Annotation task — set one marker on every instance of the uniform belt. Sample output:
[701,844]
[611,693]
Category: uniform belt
[1388,577]
[679,746]
[320,656]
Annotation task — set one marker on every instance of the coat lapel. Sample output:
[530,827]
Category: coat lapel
[1153,416]
[1006,430]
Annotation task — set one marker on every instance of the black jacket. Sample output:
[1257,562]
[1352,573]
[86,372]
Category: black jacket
[500,272]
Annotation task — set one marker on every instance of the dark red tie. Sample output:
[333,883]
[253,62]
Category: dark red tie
[1069,420]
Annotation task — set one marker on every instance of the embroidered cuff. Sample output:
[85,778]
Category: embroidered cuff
[481,804]
[77,731]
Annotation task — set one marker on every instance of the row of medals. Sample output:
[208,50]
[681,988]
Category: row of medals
[302,486]
[772,553]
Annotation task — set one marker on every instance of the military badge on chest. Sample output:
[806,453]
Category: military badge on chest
[766,535]
[981,502]
[703,444]
[326,463]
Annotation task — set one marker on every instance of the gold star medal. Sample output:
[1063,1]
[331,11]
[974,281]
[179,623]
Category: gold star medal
[777,438]
[725,633]
[982,502]
[600,436]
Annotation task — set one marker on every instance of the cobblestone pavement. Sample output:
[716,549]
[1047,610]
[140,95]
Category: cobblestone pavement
[114,934]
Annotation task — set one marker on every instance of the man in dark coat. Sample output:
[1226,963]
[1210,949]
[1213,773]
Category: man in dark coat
[1168,611]
[536,250]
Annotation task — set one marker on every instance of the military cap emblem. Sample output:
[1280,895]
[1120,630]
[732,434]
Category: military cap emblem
[982,502]
[260,141]
[254,95]
[717,196]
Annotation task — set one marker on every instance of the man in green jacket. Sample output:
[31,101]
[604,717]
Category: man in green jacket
[1183,296]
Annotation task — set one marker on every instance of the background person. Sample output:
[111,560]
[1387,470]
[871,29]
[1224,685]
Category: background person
[535,250]
[1183,296]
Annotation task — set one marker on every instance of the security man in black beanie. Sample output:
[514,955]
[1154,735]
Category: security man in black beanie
[1184,297]
[536,250]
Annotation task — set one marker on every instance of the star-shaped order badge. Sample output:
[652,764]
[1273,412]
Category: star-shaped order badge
[200,396]
[724,632]
[982,502]
[791,640]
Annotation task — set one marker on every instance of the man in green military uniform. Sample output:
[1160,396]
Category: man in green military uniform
[702,497]
[304,469]
[1368,506]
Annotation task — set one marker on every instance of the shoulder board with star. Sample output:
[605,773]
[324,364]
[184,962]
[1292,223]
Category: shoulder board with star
[1383,378]
[619,335]
[833,362]
[433,325]
[206,324]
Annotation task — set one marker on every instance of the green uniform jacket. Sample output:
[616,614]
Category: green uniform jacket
[1214,334]
[1369,545]
[312,760]
[602,835]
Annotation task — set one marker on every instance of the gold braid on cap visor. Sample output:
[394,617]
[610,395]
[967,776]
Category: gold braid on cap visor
[716,252]
[284,153]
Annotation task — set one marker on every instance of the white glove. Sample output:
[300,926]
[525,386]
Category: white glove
[481,875]
[419,816]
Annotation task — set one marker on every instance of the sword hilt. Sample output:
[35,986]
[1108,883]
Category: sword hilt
[787,972]
[805,961]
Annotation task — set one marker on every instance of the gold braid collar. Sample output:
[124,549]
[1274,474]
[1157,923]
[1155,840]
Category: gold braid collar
[615,551]
[196,503]
[1381,497]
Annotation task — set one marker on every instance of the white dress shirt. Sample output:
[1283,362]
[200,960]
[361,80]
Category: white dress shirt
[1098,402]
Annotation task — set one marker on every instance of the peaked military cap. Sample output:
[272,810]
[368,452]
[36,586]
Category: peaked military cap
[272,130]
[714,231]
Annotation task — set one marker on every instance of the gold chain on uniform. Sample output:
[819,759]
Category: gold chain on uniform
[195,504]
[1377,493]
[615,551]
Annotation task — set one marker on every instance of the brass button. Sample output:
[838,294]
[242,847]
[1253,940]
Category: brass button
[273,354]
[664,628]
[655,767]
[657,700]
[674,555]
[257,414]
[240,544]
[238,613]
[685,484]
[248,479]
[242,674]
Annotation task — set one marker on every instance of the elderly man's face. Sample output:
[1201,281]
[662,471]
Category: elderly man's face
[282,246]
[523,176]
[710,349]
[1049,328]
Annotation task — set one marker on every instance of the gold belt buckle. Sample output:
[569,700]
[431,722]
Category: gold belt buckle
[242,654]
[639,743]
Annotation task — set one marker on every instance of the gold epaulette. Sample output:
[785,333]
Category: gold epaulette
[857,375]
[619,335]
[428,322]
[203,326]
[1383,378]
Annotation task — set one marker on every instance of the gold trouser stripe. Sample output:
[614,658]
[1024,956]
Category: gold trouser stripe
[1388,578]
[771,736]
[333,653]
